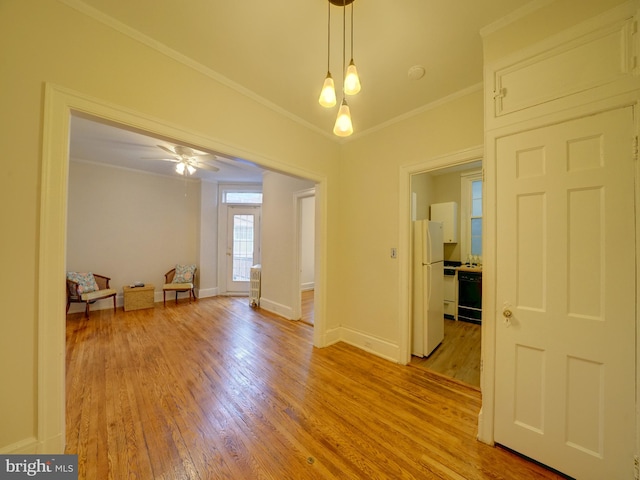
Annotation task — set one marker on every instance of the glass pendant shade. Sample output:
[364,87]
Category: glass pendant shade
[180,168]
[351,80]
[191,169]
[343,126]
[328,94]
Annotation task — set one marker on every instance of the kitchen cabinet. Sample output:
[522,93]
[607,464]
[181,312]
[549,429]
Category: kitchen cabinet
[447,214]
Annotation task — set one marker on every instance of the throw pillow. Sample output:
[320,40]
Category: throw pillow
[86,281]
[184,274]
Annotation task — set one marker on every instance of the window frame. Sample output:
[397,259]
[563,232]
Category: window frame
[466,191]
[226,189]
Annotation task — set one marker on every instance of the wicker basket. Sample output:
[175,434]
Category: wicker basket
[137,298]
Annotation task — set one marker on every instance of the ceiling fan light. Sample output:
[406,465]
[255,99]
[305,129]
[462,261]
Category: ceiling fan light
[328,94]
[351,80]
[180,168]
[191,169]
[343,126]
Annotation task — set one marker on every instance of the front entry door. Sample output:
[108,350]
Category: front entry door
[243,246]
[565,335]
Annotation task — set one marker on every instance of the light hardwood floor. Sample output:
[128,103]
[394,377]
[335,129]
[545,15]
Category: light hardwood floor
[215,389]
[458,356]
[307,310]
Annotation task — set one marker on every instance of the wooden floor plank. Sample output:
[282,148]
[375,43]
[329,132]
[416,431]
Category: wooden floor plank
[458,356]
[217,389]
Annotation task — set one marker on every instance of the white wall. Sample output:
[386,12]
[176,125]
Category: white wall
[208,244]
[278,248]
[131,226]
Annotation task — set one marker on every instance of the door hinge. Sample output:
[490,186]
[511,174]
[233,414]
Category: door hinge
[500,93]
[636,467]
[635,148]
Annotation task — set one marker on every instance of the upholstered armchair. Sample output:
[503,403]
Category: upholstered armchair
[87,288]
[179,279]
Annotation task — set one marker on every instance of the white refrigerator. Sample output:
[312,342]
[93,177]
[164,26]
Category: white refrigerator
[428,287]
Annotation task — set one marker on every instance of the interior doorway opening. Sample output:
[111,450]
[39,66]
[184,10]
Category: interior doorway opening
[458,356]
[60,106]
[305,226]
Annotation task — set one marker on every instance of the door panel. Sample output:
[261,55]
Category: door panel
[243,241]
[565,368]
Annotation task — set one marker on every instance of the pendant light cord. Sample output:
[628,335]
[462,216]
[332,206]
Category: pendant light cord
[344,41]
[328,36]
[352,30]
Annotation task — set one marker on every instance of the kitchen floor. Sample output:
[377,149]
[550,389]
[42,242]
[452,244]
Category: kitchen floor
[458,356]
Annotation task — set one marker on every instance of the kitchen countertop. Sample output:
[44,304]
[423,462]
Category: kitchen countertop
[468,268]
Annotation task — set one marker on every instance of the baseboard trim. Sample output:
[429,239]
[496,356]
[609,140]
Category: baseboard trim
[207,292]
[376,346]
[277,308]
[25,446]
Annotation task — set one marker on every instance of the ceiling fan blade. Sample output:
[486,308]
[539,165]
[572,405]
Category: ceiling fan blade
[174,160]
[168,150]
[204,166]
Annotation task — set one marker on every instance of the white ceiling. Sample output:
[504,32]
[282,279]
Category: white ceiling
[277,51]
[99,142]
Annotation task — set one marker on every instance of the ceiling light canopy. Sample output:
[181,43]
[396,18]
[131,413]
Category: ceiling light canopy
[350,79]
[184,168]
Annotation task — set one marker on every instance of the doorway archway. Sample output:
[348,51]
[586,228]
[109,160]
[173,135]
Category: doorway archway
[59,105]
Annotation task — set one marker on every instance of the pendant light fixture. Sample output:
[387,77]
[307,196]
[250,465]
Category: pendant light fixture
[350,81]
[343,126]
[328,94]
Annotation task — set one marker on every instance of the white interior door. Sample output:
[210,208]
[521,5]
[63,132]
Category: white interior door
[565,358]
[243,246]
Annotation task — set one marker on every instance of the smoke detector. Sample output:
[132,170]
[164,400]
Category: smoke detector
[416,72]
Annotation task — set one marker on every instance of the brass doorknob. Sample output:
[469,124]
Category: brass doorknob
[507,313]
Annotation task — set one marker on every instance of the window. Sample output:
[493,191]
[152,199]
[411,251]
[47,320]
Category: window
[243,247]
[471,216]
[476,217]
[230,196]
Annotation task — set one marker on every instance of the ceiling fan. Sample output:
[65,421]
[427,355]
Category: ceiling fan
[187,159]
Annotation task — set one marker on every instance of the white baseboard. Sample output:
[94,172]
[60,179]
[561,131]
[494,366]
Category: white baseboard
[331,336]
[307,286]
[207,292]
[381,348]
[277,308]
[25,446]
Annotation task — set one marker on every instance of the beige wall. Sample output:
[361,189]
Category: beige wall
[45,41]
[278,237]
[130,226]
[370,218]
[422,191]
[541,24]
[446,188]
